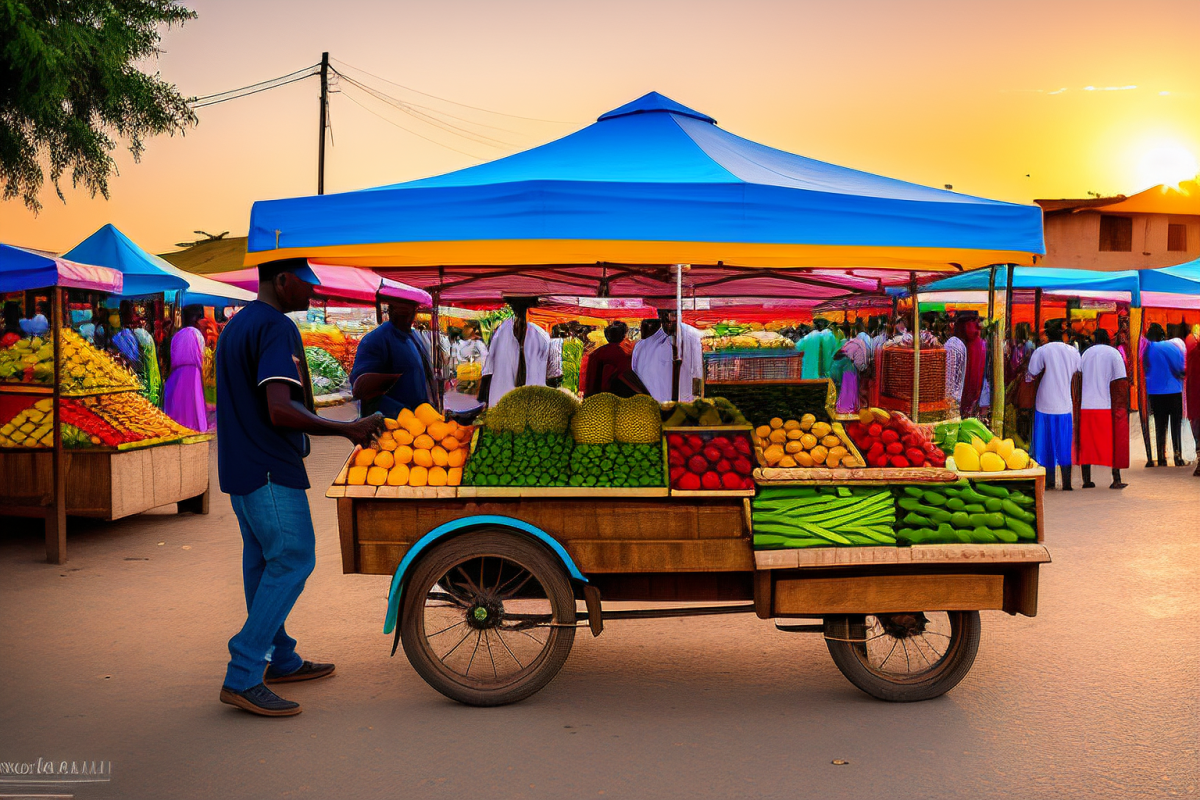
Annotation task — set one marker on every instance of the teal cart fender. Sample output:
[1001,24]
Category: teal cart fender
[459,526]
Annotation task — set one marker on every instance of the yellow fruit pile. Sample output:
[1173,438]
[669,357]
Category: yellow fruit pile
[33,427]
[134,415]
[419,448]
[806,442]
[995,456]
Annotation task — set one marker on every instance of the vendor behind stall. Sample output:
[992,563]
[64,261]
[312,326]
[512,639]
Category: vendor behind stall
[392,368]
[654,360]
[183,395]
[518,354]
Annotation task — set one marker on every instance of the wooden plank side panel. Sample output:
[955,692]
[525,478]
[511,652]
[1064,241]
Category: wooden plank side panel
[25,478]
[132,483]
[823,557]
[346,535]
[887,593]
[194,472]
[701,555]
[380,558]
[166,465]
[89,484]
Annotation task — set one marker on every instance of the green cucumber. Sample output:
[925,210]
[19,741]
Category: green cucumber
[971,496]
[945,533]
[987,520]
[934,498]
[963,535]
[975,508]
[1013,510]
[961,519]
[914,491]
[914,520]
[981,535]
[955,504]
[1005,535]
[1021,499]
[1020,528]
[993,504]
[999,492]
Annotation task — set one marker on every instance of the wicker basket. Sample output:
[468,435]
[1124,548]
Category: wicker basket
[896,369]
[752,366]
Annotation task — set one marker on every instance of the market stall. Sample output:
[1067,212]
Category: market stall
[493,532]
[76,435]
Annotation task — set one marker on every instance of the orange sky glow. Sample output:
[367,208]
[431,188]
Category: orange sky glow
[992,97]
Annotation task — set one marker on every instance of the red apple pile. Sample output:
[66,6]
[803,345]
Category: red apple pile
[710,461]
[890,439]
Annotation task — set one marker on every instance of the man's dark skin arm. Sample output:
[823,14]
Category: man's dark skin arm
[286,412]
[370,385]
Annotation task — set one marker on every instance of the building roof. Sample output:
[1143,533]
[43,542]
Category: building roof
[1068,204]
[215,255]
[1184,198]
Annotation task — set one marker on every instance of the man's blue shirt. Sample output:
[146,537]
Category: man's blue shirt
[390,351]
[260,344]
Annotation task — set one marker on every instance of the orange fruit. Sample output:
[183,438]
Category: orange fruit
[365,457]
[402,437]
[439,455]
[422,458]
[454,476]
[427,414]
[414,426]
[385,460]
[463,434]
[377,476]
[437,476]
[456,458]
[450,443]
[387,443]
[418,476]
[398,475]
[437,430]
[404,454]
[357,476]
[391,424]
[423,442]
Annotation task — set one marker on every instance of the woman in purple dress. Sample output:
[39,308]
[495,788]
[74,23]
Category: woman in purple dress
[185,387]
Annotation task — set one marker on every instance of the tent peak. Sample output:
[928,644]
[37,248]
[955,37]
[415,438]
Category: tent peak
[653,102]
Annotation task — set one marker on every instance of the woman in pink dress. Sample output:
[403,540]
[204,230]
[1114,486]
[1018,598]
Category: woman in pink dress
[185,388]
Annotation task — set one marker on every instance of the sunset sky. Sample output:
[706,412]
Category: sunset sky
[988,96]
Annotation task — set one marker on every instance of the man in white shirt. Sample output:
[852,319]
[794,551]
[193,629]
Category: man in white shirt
[1054,366]
[654,360]
[1104,411]
[518,355]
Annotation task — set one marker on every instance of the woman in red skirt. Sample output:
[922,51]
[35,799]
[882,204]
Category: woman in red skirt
[1103,431]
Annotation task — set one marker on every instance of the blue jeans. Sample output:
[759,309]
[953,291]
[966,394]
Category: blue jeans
[278,555]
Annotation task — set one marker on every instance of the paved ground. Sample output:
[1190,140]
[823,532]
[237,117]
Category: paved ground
[119,656]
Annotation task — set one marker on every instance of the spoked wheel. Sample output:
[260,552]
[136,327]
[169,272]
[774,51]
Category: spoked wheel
[904,657]
[488,618]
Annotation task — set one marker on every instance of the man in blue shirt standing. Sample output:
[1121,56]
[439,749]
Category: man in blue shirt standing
[264,414]
[1164,368]
[392,368]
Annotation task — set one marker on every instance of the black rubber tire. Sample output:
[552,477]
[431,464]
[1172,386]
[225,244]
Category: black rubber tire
[850,659]
[492,542]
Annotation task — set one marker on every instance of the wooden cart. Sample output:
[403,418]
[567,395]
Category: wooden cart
[486,582]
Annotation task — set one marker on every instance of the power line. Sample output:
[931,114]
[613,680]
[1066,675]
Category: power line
[449,127]
[390,121]
[254,88]
[452,102]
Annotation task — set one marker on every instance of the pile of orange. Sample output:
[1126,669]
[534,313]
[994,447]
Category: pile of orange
[419,448]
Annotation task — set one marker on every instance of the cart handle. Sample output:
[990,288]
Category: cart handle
[459,526]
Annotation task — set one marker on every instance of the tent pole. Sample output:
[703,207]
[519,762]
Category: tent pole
[997,342]
[991,292]
[1008,300]
[56,511]
[916,315]
[676,350]
[1037,316]
[436,354]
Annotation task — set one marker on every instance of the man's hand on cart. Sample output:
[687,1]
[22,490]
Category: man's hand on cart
[362,431]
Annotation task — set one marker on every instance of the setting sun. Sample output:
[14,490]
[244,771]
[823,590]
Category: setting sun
[1167,164]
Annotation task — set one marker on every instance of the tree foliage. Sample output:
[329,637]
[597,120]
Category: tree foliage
[70,88]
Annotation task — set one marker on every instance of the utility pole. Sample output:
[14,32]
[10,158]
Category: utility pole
[324,106]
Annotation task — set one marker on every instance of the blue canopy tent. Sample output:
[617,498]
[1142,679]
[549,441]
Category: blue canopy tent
[144,273]
[1165,286]
[1046,279]
[651,183]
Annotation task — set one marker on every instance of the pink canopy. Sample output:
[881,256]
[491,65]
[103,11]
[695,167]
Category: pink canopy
[340,283]
[22,269]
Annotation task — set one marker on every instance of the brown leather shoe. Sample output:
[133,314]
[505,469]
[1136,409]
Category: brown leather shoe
[308,672]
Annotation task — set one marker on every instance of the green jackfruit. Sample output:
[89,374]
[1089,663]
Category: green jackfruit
[594,421]
[638,420]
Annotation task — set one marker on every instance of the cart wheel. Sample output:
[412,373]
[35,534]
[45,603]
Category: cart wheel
[488,618]
[904,658]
